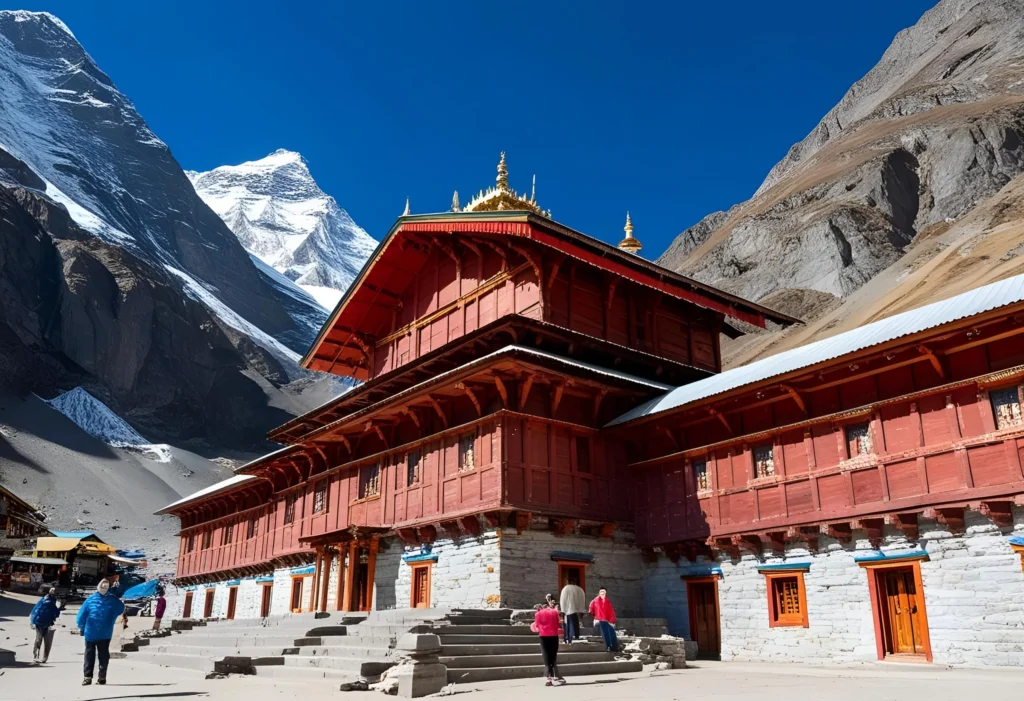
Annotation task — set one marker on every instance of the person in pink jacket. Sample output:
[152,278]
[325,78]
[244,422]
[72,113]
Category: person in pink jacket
[547,625]
[604,619]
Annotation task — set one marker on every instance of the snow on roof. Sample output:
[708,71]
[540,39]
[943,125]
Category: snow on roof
[978,301]
[212,489]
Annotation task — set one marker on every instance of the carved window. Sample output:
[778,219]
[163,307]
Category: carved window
[289,509]
[467,458]
[1006,407]
[412,468]
[253,528]
[369,481]
[320,497]
[228,535]
[583,454]
[190,544]
[764,461]
[787,600]
[858,439]
[700,475]
[207,539]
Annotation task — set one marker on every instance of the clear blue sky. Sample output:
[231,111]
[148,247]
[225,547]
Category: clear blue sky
[670,109]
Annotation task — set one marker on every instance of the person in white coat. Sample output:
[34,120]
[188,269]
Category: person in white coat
[573,602]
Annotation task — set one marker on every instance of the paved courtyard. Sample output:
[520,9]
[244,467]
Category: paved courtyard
[60,679]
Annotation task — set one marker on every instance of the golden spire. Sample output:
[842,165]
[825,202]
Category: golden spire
[502,173]
[455,202]
[406,212]
[629,244]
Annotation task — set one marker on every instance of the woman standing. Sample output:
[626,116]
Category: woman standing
[546,625]
[604,619]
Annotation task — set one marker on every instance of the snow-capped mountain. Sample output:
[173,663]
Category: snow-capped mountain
[95,418]
[282,217]
[116,276]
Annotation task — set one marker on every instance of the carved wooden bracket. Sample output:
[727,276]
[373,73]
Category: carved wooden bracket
[715,413]
[842,532]
[751,543]
[428,534]
[452,529]
[999,512]
[951,517]
[906,523]
[408,536]
[808,534]
[562,526]
[524,391]
[523,519]
[470,525]
[673,551]
[502,390]
[493,518]
[776,540]
[874,528]
[649,555]
[726,546]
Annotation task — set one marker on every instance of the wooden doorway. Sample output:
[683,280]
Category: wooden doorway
[296,595]
[901,621]
[187,611]
[359,575]
[266,597]
[232,602]
[421,576]
[571,573]
[208,603]
[705,621]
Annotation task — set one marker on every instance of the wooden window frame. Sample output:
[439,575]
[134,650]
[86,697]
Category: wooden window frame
[470,440]
[873,569]
[753,460]
[320,494]
[995,414]
[428,565]
[190,543]
[1019,549]
[694,463]
[850,454]
[186,609]
[291,592]
[266,597]
[365,483]
[207,541]
[252,528]
[691,604]
[289,508]
[775,619]
[412,469]
[228,534]
[575,564]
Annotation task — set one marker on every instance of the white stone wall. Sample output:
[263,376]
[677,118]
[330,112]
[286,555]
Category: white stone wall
[250,592]
[528,572]
[973,592]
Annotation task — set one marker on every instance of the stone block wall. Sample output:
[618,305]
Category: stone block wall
[973,593]
[250,592]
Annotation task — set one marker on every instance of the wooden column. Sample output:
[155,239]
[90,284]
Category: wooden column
[325,581]
[339,603]
[371,565]
[314,595]
[350,574]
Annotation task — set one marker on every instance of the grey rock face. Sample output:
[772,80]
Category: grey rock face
[936,127]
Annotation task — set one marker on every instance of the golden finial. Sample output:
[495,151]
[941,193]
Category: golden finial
[406,212]
[502,173]
[455,202]
[629,244]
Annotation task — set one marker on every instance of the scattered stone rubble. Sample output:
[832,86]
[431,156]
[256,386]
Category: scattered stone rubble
[665,652]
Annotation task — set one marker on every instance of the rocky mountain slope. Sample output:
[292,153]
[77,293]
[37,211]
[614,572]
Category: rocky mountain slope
[281,216]
[116,277]
[906,192]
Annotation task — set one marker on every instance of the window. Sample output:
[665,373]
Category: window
[369,481]
[289,509]
[858,439]
[700,474]
[467,460]
[228,535]
[207,539]
[320,497]
[787,600]
[412,468]
[764,461]
[1006,407]
[582,454]
[254,526]
[190,544]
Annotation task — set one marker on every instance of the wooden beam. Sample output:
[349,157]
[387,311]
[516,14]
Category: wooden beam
[906,523]
[873,527]
[524,391]
[791,391]
[427,534]
[556,397]
[502,390]
[472,397]
[437,407]
[471,525]
[999,512]
[721,418]
[598,398]
[952,518]
[933,359]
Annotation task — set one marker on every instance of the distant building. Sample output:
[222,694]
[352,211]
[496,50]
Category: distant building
[20,524]
[538,407]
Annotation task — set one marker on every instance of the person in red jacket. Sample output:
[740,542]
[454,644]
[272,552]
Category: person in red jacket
[604,619]
[548,627]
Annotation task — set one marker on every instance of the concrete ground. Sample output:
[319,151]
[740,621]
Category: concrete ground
[60,679]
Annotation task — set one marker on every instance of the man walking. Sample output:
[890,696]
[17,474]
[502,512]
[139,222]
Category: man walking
[96,620]
[573,601]
[44,615]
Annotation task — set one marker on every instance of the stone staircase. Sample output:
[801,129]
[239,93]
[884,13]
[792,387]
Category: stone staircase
[483,645]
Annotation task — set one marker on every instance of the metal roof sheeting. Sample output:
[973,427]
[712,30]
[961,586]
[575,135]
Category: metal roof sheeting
[978,301]
[212,489]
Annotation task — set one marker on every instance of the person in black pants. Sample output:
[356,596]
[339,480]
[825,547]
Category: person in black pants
[546,625]
[96,620]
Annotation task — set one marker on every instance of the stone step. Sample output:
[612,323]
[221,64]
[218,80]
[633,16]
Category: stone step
[366,668]
[528,660]
[506,639]
[342,641]
[196,662]
[217,652]
[310,619]
[306,674]
[380,652]
[203,640]
[483,630]
[483,674]
[523,648]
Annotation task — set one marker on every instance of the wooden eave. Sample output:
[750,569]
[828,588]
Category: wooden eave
[928,346]
[527,330]
[394,263]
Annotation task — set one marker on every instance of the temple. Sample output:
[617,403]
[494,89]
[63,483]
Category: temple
[537,407]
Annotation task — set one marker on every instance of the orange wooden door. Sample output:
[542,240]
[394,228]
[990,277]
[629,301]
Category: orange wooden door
[571,574]
[187,612]
[296,594]
[232,601]
[265,598]
[905,629]
[704,623]
[208,604]
[421,587]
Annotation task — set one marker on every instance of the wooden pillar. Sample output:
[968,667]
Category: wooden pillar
[314,595]
[350,574]
[371,565]
[339,604]
[325,580]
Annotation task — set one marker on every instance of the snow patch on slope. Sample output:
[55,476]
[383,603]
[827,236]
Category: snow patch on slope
[95,418]
[326,297]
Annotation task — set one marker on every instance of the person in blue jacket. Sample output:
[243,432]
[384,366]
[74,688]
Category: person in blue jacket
[44,615]
[96,620]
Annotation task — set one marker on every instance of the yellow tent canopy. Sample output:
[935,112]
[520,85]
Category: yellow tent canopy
[56,545]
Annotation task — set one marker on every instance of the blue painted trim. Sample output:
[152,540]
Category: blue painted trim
[574,557]
[785,567]
[232,582]
[265,578]
[1017,540]
[892,556]
[309,569]
[420,557]
[701,571]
